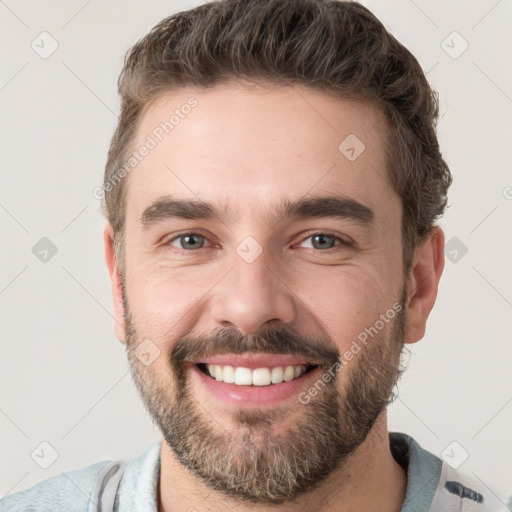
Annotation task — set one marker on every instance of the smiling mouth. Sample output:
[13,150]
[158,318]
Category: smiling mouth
[264,376]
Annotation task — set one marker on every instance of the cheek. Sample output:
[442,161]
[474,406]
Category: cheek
[164,303]
[346,303]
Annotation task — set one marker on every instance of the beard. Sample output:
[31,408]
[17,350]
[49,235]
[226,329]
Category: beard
[253,462]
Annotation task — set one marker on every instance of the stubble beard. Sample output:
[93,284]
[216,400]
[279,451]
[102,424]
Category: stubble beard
[252,462]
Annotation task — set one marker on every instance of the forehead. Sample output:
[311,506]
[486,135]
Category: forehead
[245,148]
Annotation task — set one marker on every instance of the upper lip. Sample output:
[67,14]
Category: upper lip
[254,361]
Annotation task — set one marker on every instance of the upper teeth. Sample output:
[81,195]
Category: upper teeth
[258,377]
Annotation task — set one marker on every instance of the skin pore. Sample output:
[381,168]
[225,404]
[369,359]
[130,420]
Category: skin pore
[314,283]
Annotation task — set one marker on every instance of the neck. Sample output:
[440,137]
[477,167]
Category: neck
[369,480]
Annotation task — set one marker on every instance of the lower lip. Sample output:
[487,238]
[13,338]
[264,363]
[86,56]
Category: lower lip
[243,396]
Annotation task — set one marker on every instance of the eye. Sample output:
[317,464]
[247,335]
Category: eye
[187,241]
[324,241]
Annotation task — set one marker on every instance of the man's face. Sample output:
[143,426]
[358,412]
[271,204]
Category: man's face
[263,286]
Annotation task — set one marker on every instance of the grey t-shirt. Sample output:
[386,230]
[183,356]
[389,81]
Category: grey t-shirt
[118,486]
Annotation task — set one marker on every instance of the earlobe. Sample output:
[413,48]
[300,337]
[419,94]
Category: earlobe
[115,281]
[423,281]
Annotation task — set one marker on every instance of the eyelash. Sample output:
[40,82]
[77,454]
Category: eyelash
[167,244]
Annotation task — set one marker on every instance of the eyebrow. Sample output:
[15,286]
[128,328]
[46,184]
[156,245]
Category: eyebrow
[338,207]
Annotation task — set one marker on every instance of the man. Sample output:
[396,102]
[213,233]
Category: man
[271,193]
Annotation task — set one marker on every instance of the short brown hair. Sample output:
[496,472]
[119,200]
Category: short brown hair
[339,48]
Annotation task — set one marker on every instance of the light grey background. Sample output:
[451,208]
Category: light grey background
[64,379]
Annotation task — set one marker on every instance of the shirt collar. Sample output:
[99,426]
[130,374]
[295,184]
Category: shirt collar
[423,471]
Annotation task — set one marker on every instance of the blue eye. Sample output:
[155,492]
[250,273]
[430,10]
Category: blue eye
[322,241]
[189,241]
[192,241]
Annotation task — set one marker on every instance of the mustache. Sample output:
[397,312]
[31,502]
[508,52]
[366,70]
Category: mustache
[317,350]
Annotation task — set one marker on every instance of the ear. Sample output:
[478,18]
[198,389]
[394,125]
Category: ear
[115,281]
[422,284]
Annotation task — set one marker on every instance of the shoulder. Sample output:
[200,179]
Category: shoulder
[459,490]
[67,492]
[434,485]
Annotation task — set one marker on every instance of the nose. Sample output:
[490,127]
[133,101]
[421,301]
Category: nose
[253,297]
